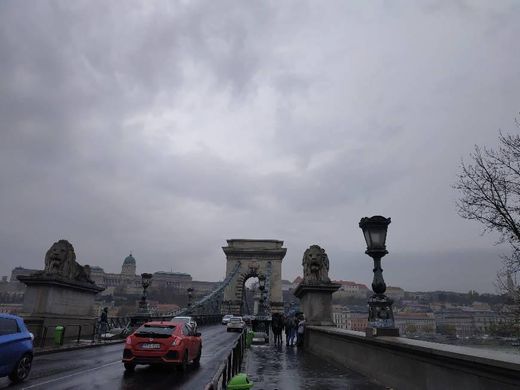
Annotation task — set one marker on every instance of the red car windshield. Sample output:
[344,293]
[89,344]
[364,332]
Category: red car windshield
[155,331]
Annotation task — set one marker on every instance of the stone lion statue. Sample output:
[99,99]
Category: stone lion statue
[315,265]
[60,260]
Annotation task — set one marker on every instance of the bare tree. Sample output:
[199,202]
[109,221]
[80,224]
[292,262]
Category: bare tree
[489,188]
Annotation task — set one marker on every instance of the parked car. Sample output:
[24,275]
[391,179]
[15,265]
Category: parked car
[189,319]
[163,342]
[226,318]
[16,348]
[236,324]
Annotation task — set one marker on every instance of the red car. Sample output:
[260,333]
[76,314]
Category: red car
[161,342]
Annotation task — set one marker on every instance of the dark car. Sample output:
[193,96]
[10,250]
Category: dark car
[16,348]
[163,342]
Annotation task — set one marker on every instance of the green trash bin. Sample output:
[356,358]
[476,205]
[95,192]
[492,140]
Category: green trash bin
[59,333]
[249,338]
[239,382]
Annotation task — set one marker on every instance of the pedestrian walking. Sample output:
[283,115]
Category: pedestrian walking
[290,330]
[103,322]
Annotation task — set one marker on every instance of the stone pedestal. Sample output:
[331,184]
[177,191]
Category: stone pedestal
[381,317]
[52,300]
[316,302]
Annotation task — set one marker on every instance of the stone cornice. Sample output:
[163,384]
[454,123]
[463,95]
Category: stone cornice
[304,288]
[53,280]
[267,254]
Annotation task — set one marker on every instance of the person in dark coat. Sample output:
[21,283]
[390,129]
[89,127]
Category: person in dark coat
[103,322]
[290,330]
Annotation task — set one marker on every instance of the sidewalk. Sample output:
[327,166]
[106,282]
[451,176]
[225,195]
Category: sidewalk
[273,367]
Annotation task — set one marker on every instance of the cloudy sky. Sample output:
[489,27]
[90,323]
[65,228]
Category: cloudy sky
[166,127]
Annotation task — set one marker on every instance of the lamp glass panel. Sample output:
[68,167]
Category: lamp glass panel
[378,236]
[367,238]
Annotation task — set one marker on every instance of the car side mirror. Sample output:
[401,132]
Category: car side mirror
[198,334]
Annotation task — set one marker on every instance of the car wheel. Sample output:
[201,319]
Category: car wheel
[22,369]
[196,361]
[229,330]
[129,366]
[184,364]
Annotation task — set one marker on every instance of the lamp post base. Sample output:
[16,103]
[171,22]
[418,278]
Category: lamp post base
[375,332]
[381,317]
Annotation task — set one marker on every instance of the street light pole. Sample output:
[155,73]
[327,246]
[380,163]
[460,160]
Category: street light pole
[380,314]
[190,292]
[146,280]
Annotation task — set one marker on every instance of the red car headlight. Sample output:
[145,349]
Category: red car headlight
[128,340]
[176,341]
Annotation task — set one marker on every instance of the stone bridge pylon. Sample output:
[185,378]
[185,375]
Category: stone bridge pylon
[253,258]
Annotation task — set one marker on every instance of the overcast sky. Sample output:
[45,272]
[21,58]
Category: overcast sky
[166,127]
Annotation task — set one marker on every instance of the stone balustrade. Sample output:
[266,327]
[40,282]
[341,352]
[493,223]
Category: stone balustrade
[408,364]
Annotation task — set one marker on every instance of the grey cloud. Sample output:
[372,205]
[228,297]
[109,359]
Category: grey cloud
[350,108]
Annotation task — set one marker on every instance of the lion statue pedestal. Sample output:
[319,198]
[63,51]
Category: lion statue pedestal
[316,289]
[62,294]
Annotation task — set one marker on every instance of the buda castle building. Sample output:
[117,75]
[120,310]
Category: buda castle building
[127,282]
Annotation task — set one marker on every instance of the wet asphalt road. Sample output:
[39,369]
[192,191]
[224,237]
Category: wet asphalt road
[101,368]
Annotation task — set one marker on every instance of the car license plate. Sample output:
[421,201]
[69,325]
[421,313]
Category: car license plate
[150,346]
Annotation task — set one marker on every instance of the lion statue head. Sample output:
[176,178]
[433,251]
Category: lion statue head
[315,265]
[60,260]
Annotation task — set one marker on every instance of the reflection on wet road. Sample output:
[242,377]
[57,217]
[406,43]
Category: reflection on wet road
[101,368]
[280,367]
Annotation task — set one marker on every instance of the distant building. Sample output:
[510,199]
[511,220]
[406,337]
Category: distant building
[127,282]
[11,308]
[460,321]
[340,316]
[296,282]
[351,317]
[287,285]
[350,289]
[415,322]
[357,321]
[202,287]
[396,293]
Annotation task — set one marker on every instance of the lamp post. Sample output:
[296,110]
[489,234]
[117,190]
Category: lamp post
[261,287]
[190,293]
[260,318]
[380,314]
[146,280]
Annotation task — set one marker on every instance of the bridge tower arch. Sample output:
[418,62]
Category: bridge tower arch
[252,258]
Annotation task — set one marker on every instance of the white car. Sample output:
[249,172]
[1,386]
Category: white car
[226,319]
[236,324]
[187,319]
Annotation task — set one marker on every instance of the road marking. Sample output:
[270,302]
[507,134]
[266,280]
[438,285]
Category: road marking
[71,375]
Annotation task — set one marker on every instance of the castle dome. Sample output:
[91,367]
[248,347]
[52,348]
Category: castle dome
[129,260]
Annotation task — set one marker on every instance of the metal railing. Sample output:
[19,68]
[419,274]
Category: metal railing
[90,331]
[77,336]
[230,366]
[118,322]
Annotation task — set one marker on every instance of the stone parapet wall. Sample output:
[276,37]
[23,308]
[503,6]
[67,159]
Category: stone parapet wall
[407,364]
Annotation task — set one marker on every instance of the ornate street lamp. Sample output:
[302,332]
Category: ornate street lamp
[380,314]
[146,280]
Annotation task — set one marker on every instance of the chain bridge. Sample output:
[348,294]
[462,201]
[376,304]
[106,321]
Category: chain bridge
[328,357]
